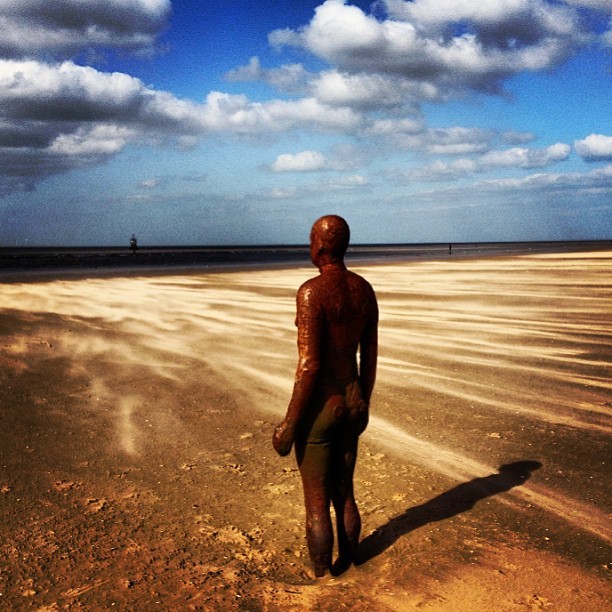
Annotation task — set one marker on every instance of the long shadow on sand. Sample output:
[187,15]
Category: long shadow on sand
[446,505]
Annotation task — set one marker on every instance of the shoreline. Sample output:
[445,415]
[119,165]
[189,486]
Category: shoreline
[32,263]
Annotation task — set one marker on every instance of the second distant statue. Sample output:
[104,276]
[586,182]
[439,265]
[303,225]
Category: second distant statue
[337,317]
[133,244]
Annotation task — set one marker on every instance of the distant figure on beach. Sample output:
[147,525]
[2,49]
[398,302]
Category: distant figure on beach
[133,244]
[337,316]
[450,249]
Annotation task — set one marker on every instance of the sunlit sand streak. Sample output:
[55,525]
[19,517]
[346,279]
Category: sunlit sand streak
[492,325]
[418,375]
[126,425]
[119,300]
[88,348]
[583,516]
[507,366]
[251,376]
[436,382]
[461,468]
[124,407]
[209,316]
[456,347]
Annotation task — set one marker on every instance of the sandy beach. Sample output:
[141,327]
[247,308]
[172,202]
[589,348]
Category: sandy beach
[137,411]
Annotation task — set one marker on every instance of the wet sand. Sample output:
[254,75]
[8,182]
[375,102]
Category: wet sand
[137,469]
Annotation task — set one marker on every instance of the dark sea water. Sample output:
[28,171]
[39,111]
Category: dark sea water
[120,260]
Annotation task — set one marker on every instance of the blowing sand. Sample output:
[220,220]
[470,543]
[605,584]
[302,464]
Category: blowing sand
[137,471]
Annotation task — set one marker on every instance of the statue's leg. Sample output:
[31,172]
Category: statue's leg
[348,520]
[313,461]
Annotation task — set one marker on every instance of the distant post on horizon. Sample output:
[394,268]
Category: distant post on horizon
[133,244]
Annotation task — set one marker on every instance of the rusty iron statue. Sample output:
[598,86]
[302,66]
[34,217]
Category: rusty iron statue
[337,317]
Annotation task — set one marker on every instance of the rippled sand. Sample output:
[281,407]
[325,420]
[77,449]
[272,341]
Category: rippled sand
[174,383]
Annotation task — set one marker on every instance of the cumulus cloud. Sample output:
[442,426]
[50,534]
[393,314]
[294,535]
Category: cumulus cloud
[442,171]
[148,184]
[520,157]
[512,137]
[595,147]
[456,140]
[63,28]
[289,78]
[235,113]
[54,117]
[371,91]
[517,157]
[607,37]
[389,127]
[313,190]
[340,157]
[447,44]
[306,161]
[94,140]
[598,180]
[414,135]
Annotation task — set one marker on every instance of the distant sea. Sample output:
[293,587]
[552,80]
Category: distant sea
[157,258]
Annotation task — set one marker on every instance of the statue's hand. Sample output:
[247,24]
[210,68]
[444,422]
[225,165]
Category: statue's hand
[283,437]
[362,416]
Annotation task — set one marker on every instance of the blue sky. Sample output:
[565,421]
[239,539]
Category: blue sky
[241,122]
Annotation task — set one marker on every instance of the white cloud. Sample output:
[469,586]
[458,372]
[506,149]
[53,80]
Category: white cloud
[370,91]
[388,127]
[355,182]
[595,147]
[34,90]
[517,157]
[512,137]
[284,37]
[520,157]
[485,17]
[600,180]
[456,141]
[234,113]
[148,184]
[57,99]
[278,193]
[249,72]
[349,182]
[442,171]
[412,135]
[92,140]
[54,117]
[306,161]
[58,116]
[421,41]
[289,78]
[65,27]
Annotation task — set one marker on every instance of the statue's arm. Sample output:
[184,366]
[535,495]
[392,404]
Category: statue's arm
[309,342]
[368,356]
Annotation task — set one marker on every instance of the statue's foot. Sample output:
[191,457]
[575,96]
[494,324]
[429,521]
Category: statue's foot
[321,567]
[341,565]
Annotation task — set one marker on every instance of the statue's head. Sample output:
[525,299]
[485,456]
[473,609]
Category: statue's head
[329,239]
